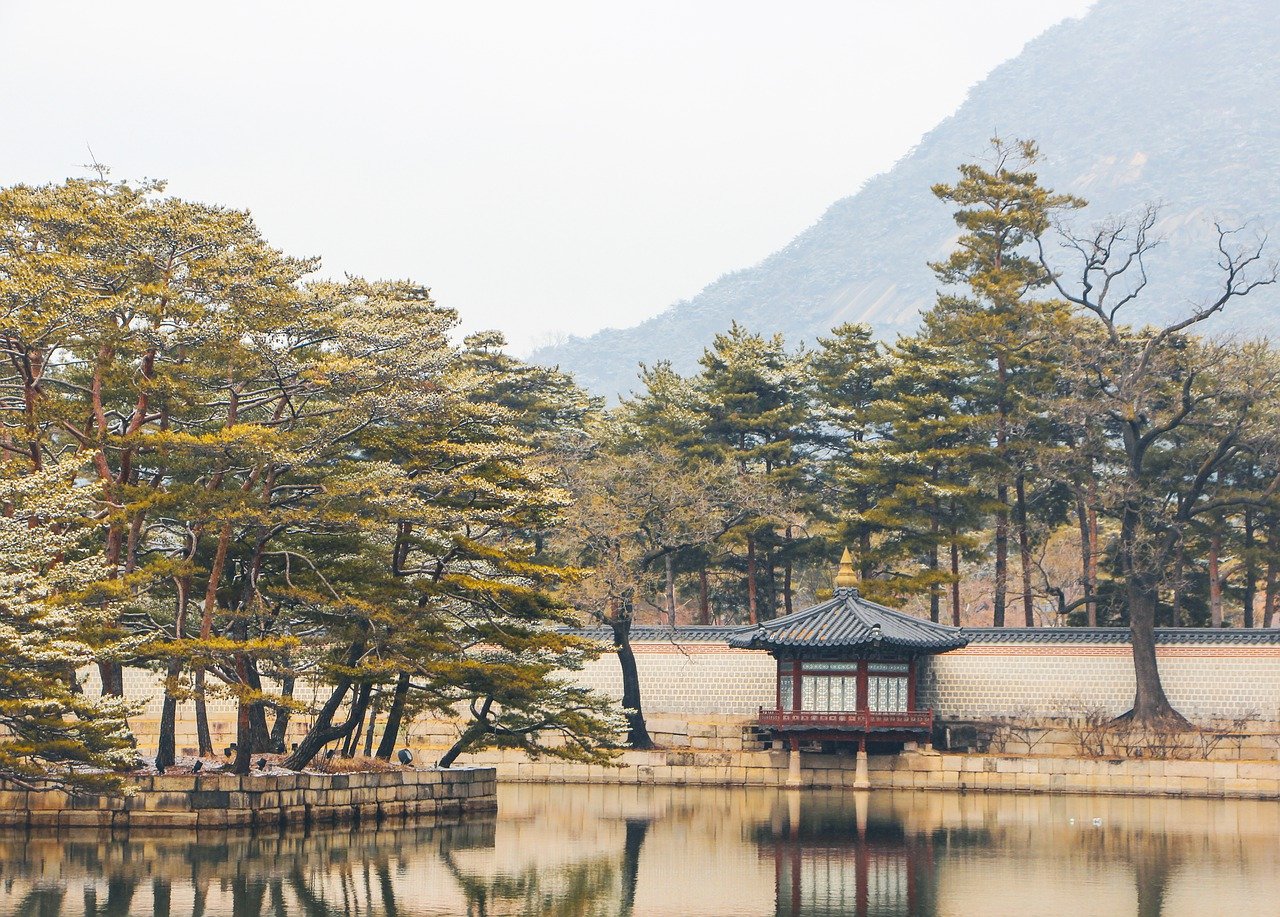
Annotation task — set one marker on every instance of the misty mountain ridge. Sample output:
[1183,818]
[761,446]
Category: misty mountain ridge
[1176,102]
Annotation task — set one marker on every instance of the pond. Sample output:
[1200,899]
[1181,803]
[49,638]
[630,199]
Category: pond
[579,850]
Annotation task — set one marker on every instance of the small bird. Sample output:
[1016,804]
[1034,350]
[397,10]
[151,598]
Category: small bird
[405,756]
[1097,822]
[195,768]
[262,764]
[329,754]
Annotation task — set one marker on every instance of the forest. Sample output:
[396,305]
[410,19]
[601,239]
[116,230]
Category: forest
[248,480]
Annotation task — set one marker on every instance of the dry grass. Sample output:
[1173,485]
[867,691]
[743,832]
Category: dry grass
[359,764]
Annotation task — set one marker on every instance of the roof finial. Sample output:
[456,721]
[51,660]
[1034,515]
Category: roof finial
[846,578]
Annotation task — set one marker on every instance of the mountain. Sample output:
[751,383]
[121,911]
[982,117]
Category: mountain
[1176,101]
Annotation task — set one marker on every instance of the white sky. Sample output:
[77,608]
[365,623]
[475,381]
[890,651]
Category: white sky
[545,167]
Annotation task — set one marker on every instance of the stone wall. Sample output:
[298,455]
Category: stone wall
[1208,676]
[1012,672]
[1045,672]
[225,800]
[697,678]
[920,770]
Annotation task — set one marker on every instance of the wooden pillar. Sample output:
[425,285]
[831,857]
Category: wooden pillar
[861,776]
[793,763]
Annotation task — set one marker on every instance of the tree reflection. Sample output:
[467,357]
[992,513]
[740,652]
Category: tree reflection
[573,852]
[597,885]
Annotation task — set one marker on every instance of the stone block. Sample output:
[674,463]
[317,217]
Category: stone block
[158,801]
[209,799]
[174,783]
[162,819]
[1255,771]
[217,782]
[94,818]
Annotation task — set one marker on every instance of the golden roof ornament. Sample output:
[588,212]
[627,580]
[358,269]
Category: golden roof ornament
[846,577]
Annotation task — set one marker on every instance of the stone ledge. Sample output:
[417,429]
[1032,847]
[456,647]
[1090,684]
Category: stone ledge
[224,800]
[924,770]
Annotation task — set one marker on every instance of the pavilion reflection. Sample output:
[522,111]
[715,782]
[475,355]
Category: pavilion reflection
[837,857]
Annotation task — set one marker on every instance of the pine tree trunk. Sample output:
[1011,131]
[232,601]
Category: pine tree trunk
[1002,498]
[323,731]
[1250,570]
[166,743]
[669,564]
[368,732]
[166,740]
[704,597]
[470,735]
[1024,550]
[770,584]
[280,726]
[206,631]
[203,737]
[786,576]
[1092,575]
[112,675]
[1002,557]
[753,615]
[637,731]
[1179,571]
[935,597]
[955,581]
[391,732]
[1086,564]
[1271,597]
[1215,578]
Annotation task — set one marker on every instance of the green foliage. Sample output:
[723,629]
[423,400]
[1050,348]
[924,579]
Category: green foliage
[50,731]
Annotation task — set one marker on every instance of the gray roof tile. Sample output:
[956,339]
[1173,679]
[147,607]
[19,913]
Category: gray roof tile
[848,621]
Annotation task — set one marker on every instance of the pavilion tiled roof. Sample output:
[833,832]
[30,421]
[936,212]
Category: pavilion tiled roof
[848,621]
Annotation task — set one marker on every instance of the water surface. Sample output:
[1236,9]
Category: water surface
[580,850]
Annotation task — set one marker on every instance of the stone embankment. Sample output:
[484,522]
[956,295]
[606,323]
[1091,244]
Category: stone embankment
[924,769]
[224,800]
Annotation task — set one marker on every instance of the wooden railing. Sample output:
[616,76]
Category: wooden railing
[865,720]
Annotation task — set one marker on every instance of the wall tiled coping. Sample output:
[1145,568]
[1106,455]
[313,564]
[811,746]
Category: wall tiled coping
[692,633]
[1164,635]
[226,800]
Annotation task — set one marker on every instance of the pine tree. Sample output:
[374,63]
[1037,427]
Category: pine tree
[55,616]
[756,404]
[1002,210]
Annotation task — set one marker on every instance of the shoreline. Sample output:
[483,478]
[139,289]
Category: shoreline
[276,800]
[924,769]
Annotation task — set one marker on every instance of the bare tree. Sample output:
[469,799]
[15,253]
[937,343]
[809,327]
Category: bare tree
[1162,396]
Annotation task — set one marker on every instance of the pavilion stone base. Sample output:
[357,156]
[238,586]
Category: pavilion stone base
[920,770]
[222,801]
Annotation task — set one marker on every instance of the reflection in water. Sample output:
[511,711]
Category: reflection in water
[636,851]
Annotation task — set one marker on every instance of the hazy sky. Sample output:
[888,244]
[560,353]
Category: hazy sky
[545,167]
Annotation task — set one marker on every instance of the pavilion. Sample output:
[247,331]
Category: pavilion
[847,672]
